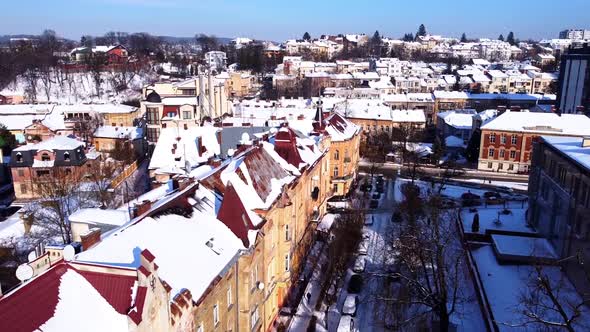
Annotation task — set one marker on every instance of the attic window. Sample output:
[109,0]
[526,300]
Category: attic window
[19,157]
[45,157]
[66,156]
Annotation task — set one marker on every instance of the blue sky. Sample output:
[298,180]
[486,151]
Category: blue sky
[278,20]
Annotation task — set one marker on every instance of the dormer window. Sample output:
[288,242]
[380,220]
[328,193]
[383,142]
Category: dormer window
[19,157]
[45,157]
[66,156]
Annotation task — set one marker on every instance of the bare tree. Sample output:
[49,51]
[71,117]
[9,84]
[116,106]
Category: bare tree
[552,302]
[100,176]
[60,193]
[430,260]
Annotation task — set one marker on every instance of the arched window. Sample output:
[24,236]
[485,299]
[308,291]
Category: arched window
[336,154]
[66,156]
[19,157]
[336,172]
[45,157]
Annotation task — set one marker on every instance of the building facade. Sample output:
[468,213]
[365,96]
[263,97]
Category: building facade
[574,81]
[559,201]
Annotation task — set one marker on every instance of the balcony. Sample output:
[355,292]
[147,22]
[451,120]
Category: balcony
[347,160]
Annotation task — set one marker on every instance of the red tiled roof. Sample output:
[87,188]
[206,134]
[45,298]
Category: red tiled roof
[116,289]
[33,304]
[233,214]
[286,146]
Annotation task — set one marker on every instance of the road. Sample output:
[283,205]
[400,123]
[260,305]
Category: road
[390,169]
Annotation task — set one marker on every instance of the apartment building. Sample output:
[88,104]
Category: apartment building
[559,201]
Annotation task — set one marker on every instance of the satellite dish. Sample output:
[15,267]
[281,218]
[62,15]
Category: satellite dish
[231,152]
[245,137]
[32,256]
[69,252]
[24,272]
[261,285]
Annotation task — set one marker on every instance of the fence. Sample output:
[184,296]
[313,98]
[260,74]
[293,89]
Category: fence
[125,174]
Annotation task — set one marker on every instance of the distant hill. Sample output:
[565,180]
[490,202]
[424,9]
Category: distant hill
[178,40]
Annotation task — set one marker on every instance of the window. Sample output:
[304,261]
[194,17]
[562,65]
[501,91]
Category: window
[19,157]
[502,153]
[512,154]
[42,173]
[45,157]
[514,139]
[254,277]
[66,156]
[336,172]
[489,165]
[21,172]
[503,139]
[229,299]
[287,262]
[491,153]
[492,138]
[153,134]
[200,328]
[153,115]
[337,155]
[186,115]
[254,317]
[23,188]
[216,314]
[287,233]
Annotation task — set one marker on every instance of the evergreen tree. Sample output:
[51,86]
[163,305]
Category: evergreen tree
[501,37]
[408,37]
[510,38]
[421,31]
[306,36]
[376,43]
[472,151]
[475,224]
[463,38]
[7,140]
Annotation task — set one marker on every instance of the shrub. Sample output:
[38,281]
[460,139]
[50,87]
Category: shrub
[475,224]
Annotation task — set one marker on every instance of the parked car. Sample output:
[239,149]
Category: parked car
[350,304]
[355,284]
[491,194]
[346,324]
[374,204]
[470,196]
[359,264]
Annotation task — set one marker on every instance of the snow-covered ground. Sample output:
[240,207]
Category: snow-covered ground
[81,87]
[488,218]
[514,185]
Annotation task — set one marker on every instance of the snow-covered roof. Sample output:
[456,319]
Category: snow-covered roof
[454,142]
[100,216]
[190,252]
[179,101]
[450,95]
[177,147]
[372,109]
[119,132]
[543,123]
[460,119]
[571,147]
[55,143]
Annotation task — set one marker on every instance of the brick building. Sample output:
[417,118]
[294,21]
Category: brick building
[507,141]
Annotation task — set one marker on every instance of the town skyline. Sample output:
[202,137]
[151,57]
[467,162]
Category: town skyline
[269,21]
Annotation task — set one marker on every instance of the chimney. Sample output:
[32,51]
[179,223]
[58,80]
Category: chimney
[586,142]
[90,238]
[142,207]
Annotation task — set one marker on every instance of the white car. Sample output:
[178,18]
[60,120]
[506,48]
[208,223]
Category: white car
[346,324]
[350,304]
[359,264]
